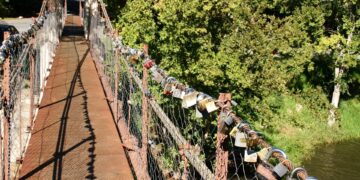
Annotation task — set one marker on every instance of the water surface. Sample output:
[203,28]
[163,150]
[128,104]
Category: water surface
[336,161]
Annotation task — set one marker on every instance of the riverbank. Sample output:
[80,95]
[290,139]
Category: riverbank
[300,140]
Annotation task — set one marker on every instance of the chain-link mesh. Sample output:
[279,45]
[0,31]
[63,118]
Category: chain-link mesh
[27,59]
[182,143]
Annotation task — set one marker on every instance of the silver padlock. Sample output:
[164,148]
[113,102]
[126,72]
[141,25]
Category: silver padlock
[177,93]
[280,169]
[228,120]
[271,152]
[293,174]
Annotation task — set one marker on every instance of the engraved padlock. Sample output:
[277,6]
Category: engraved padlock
[189,99]
[240,139]
[280,169]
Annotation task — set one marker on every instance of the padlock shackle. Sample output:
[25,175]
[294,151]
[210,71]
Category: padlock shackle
[295,171]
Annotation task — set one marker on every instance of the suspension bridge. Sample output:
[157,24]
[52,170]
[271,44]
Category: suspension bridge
[77,103]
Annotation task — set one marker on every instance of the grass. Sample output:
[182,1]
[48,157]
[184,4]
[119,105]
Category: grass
[300,129]
[350,118]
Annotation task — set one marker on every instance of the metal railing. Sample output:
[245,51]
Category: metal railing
[165,136]
[26,60]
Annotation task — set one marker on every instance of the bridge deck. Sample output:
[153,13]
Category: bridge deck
[74,136]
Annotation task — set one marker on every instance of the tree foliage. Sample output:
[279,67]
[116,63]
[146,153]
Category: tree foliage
[257,50]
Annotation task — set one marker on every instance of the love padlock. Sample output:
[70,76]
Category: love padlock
[210,106]
[177,93]
[293,175]
[280,169]
[167,89]
[240,139]
[272,151]
[148,63]
[252,140]
[250,156]
[189,99]
[263,152]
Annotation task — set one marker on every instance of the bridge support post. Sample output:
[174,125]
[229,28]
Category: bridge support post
[222,154]
[145,118]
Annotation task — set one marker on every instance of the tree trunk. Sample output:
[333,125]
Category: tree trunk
[337,88]
[335,97]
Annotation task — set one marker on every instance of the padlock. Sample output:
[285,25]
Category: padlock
[198,114]
[234,131]
[264,172]
[272,151]
[148,63]
[189,99]
[202,104]
[168,89]
[177,93]
[263,152]
[228,120]
[252,140]
[250,156]
[200,97]
[210,106]
[240,139]
[293,174]
[280,169]
[133,59]
[157,77]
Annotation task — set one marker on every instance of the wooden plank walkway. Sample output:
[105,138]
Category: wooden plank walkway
[74,136]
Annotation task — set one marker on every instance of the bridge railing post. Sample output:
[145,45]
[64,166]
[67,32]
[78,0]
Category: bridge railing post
[6,119]
[222,155]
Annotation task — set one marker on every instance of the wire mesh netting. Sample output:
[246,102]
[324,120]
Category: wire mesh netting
[167,135]
[27,60]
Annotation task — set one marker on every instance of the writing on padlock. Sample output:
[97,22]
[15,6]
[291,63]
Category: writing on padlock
[250,156]
[189,99]
[240,139]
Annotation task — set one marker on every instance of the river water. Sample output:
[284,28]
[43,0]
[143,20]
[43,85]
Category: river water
[336,161]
